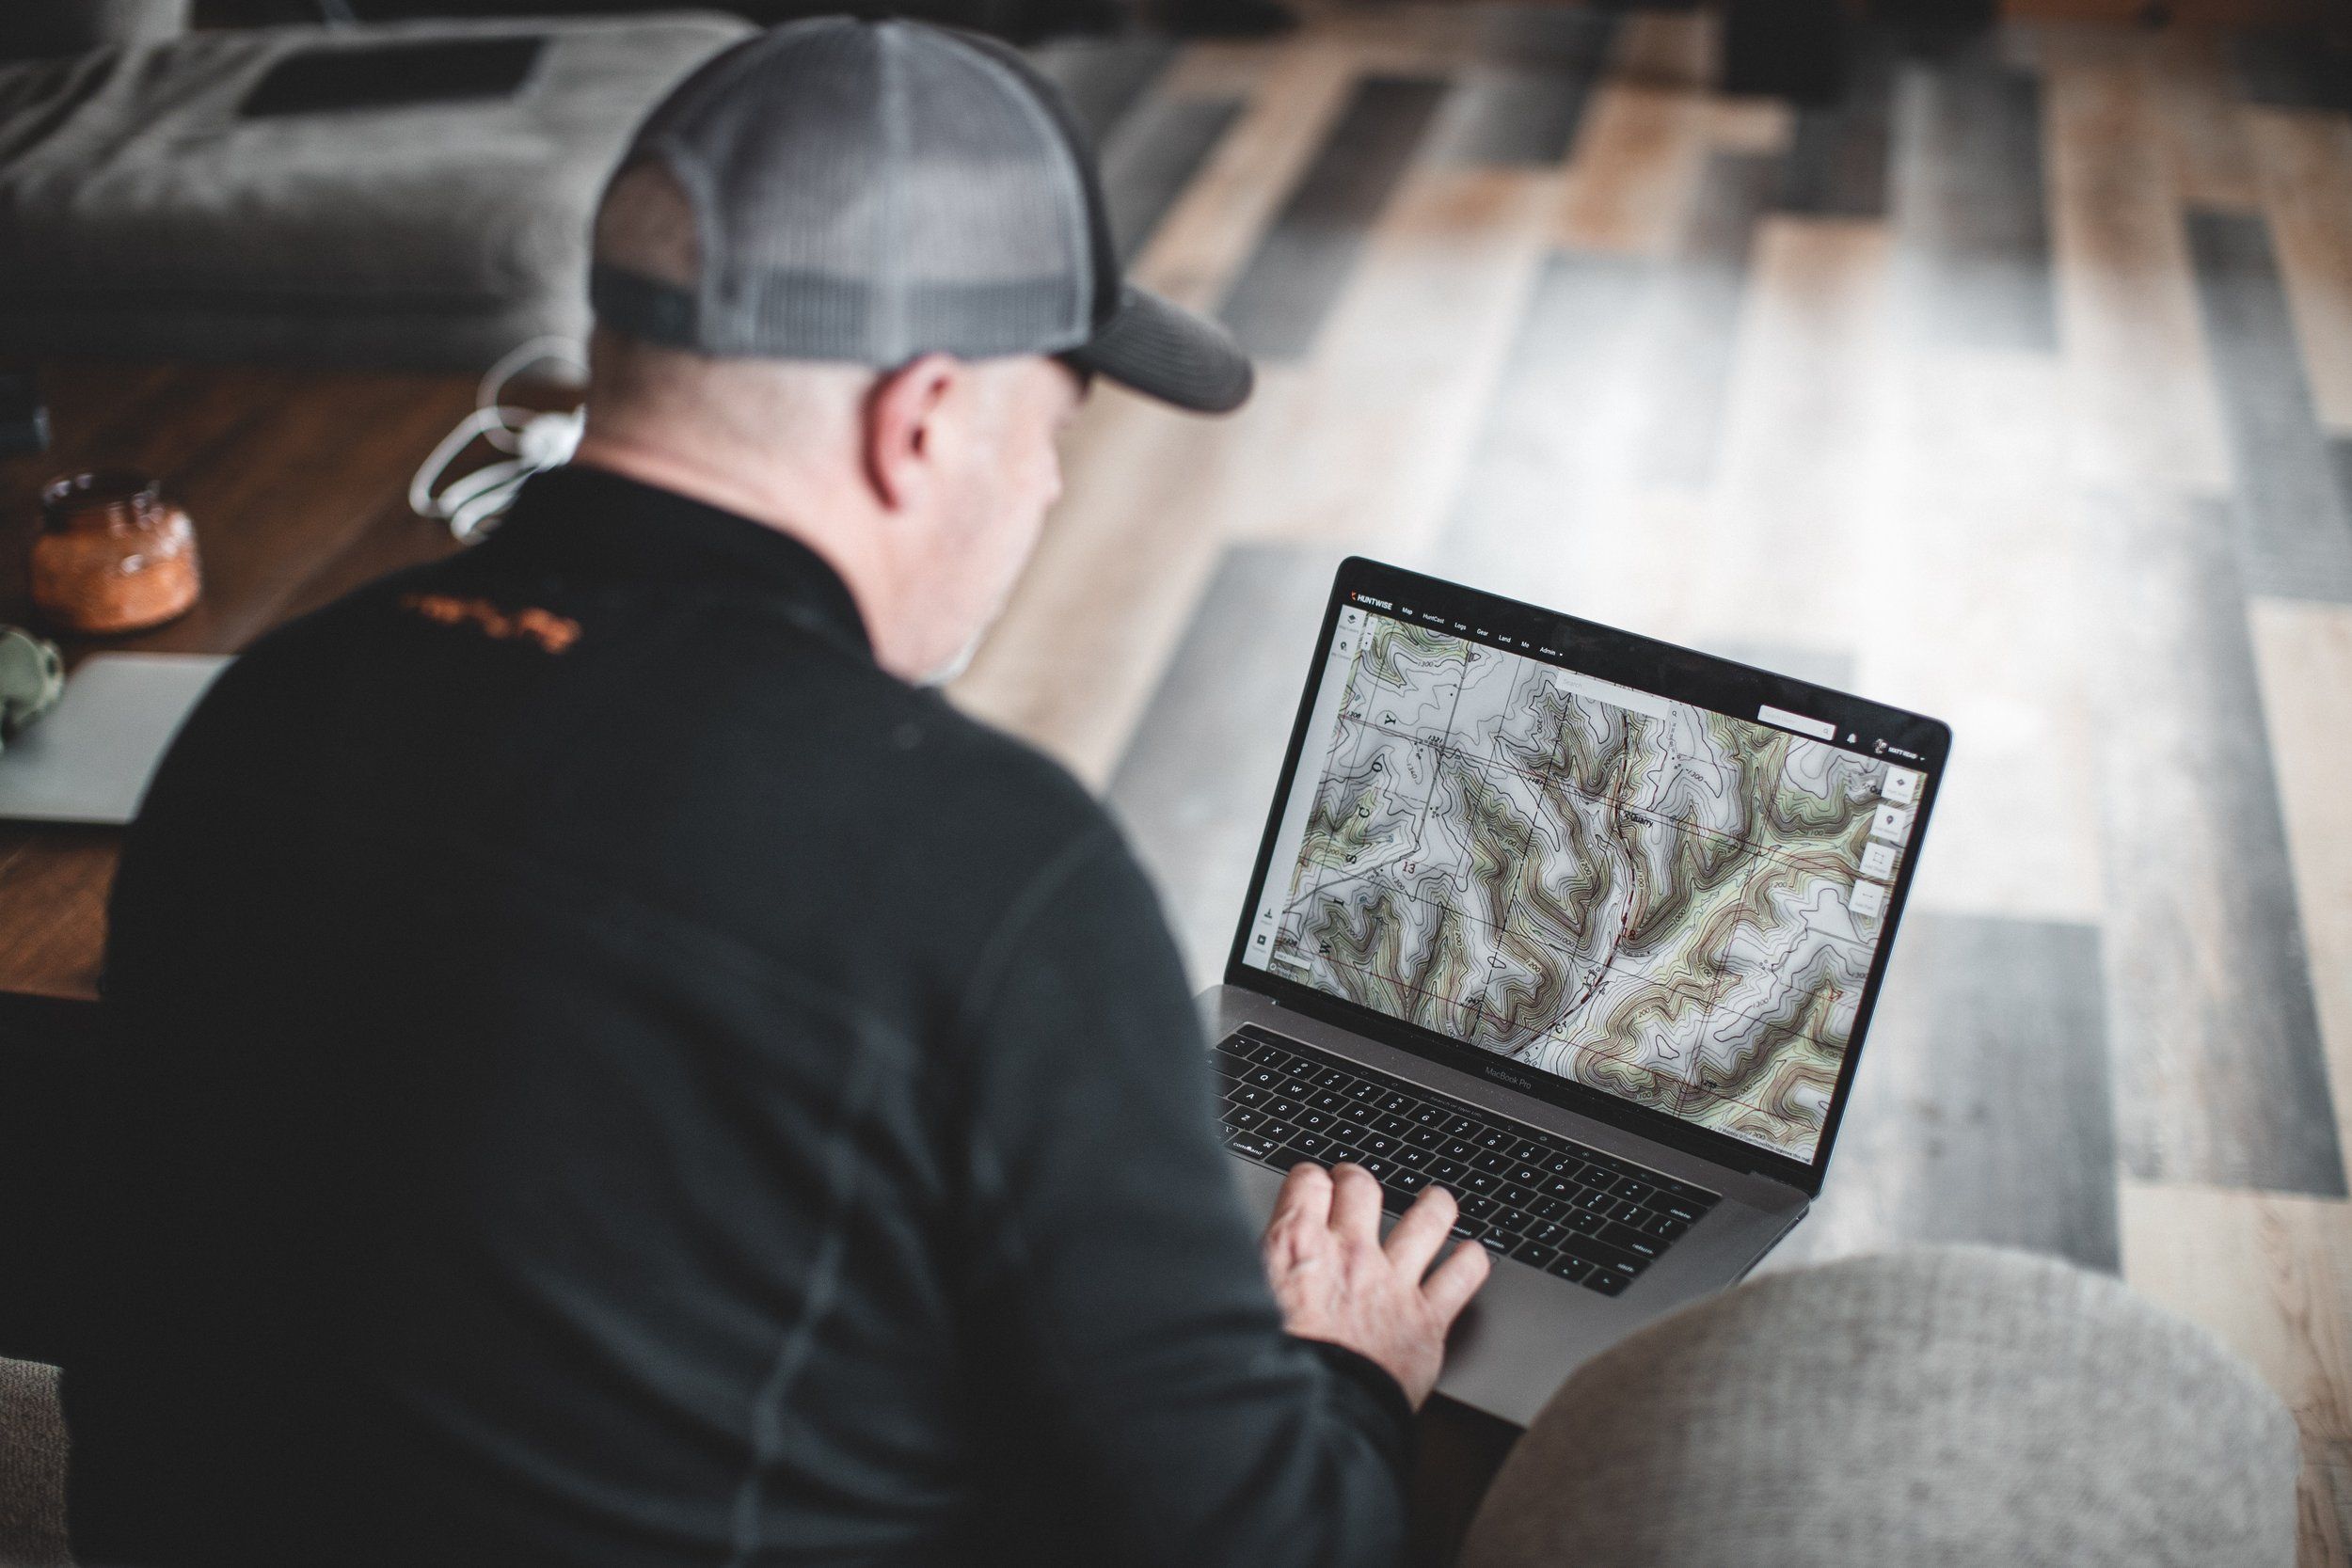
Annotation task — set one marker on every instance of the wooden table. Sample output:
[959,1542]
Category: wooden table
[297,481]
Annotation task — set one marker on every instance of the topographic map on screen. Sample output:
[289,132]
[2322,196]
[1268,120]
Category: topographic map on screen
[1669,904]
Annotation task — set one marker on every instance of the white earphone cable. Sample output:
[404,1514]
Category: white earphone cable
[472,501]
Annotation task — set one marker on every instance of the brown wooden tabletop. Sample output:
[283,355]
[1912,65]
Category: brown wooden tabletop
[297,481]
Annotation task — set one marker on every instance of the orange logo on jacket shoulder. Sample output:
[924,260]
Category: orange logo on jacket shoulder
[552,632]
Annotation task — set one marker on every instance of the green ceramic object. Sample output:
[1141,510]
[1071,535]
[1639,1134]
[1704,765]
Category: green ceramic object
[32,677]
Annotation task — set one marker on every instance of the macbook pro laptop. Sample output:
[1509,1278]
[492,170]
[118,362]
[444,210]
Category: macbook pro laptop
[1583,926]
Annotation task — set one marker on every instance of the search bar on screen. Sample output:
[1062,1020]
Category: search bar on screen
[1819,729]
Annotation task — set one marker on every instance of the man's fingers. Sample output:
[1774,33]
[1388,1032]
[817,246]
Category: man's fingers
[1413,1243]
[1356,1202]
[1456,1280]
[1306,1195]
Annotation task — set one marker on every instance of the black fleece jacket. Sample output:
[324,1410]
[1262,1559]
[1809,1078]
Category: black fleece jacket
[607,1076]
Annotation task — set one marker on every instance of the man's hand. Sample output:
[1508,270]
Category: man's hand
[1336,1282]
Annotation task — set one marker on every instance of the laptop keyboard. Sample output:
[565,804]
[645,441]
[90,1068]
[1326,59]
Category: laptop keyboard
[1545,1200]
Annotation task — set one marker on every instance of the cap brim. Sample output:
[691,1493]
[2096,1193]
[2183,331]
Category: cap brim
[1165,351]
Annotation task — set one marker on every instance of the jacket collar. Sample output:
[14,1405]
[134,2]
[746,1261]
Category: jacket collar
[590,522]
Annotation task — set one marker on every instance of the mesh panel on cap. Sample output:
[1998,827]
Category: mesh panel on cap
[992,221]
[869,193]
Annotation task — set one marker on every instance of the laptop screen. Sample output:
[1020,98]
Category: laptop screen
[1662,876]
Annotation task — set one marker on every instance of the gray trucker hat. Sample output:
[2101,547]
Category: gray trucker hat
[874,191]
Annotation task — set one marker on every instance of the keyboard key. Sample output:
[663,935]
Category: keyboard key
[1319,1120]
[1518,1198]
[1548,1208]
[1240,1118]
[1264,1077]
[1524,1175]
[1459,1148]
[1602,1256]
[1478,1182]
[1408,1181]
[1533,1254]
[1499,1241]
[1329,1078]
[1395,1104]
[1283,1106]
[1491,1161]
[1250,1144]
[1477,1206]
[1394,1126]
[1361,1090]
[1310,1144]
[1447,1172]
[1570,1269]
[1280,1132]
[1375,1166]
[1606,1283]
[1340,1153]
[1467,1228]
[1664,1226]
[1493,1139]
[1327,1100]
[1378,1143]
[1529,1152]
[1428,1116]
[1640,1242]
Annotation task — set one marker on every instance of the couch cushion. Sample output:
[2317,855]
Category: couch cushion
[1950,1405]
[32,1467]
[130,187]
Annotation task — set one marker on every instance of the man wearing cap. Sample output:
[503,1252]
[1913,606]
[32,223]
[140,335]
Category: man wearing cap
[613,1070]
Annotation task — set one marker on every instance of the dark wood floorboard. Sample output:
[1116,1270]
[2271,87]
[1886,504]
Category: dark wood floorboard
[2220,1074]
[1153,157]
[1197,780]
[1278,304]
[1837,156]
[1969,208]
[1103,78]
[2295,536]
[2284,69]
[1521,104]
[1980,1109]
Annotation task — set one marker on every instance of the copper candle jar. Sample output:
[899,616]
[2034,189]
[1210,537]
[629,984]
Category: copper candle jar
[111,556]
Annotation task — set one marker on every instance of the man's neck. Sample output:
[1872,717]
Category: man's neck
[790,510]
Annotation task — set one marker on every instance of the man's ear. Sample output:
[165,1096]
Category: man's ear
[902,428]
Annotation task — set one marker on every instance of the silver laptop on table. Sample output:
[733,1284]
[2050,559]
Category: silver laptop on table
[1584,927]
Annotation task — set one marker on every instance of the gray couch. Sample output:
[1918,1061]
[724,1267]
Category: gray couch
[32,1467]
[1955,1406]
[1952,1406]
[139,214]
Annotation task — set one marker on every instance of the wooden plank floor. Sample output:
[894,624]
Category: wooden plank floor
[2017,388]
